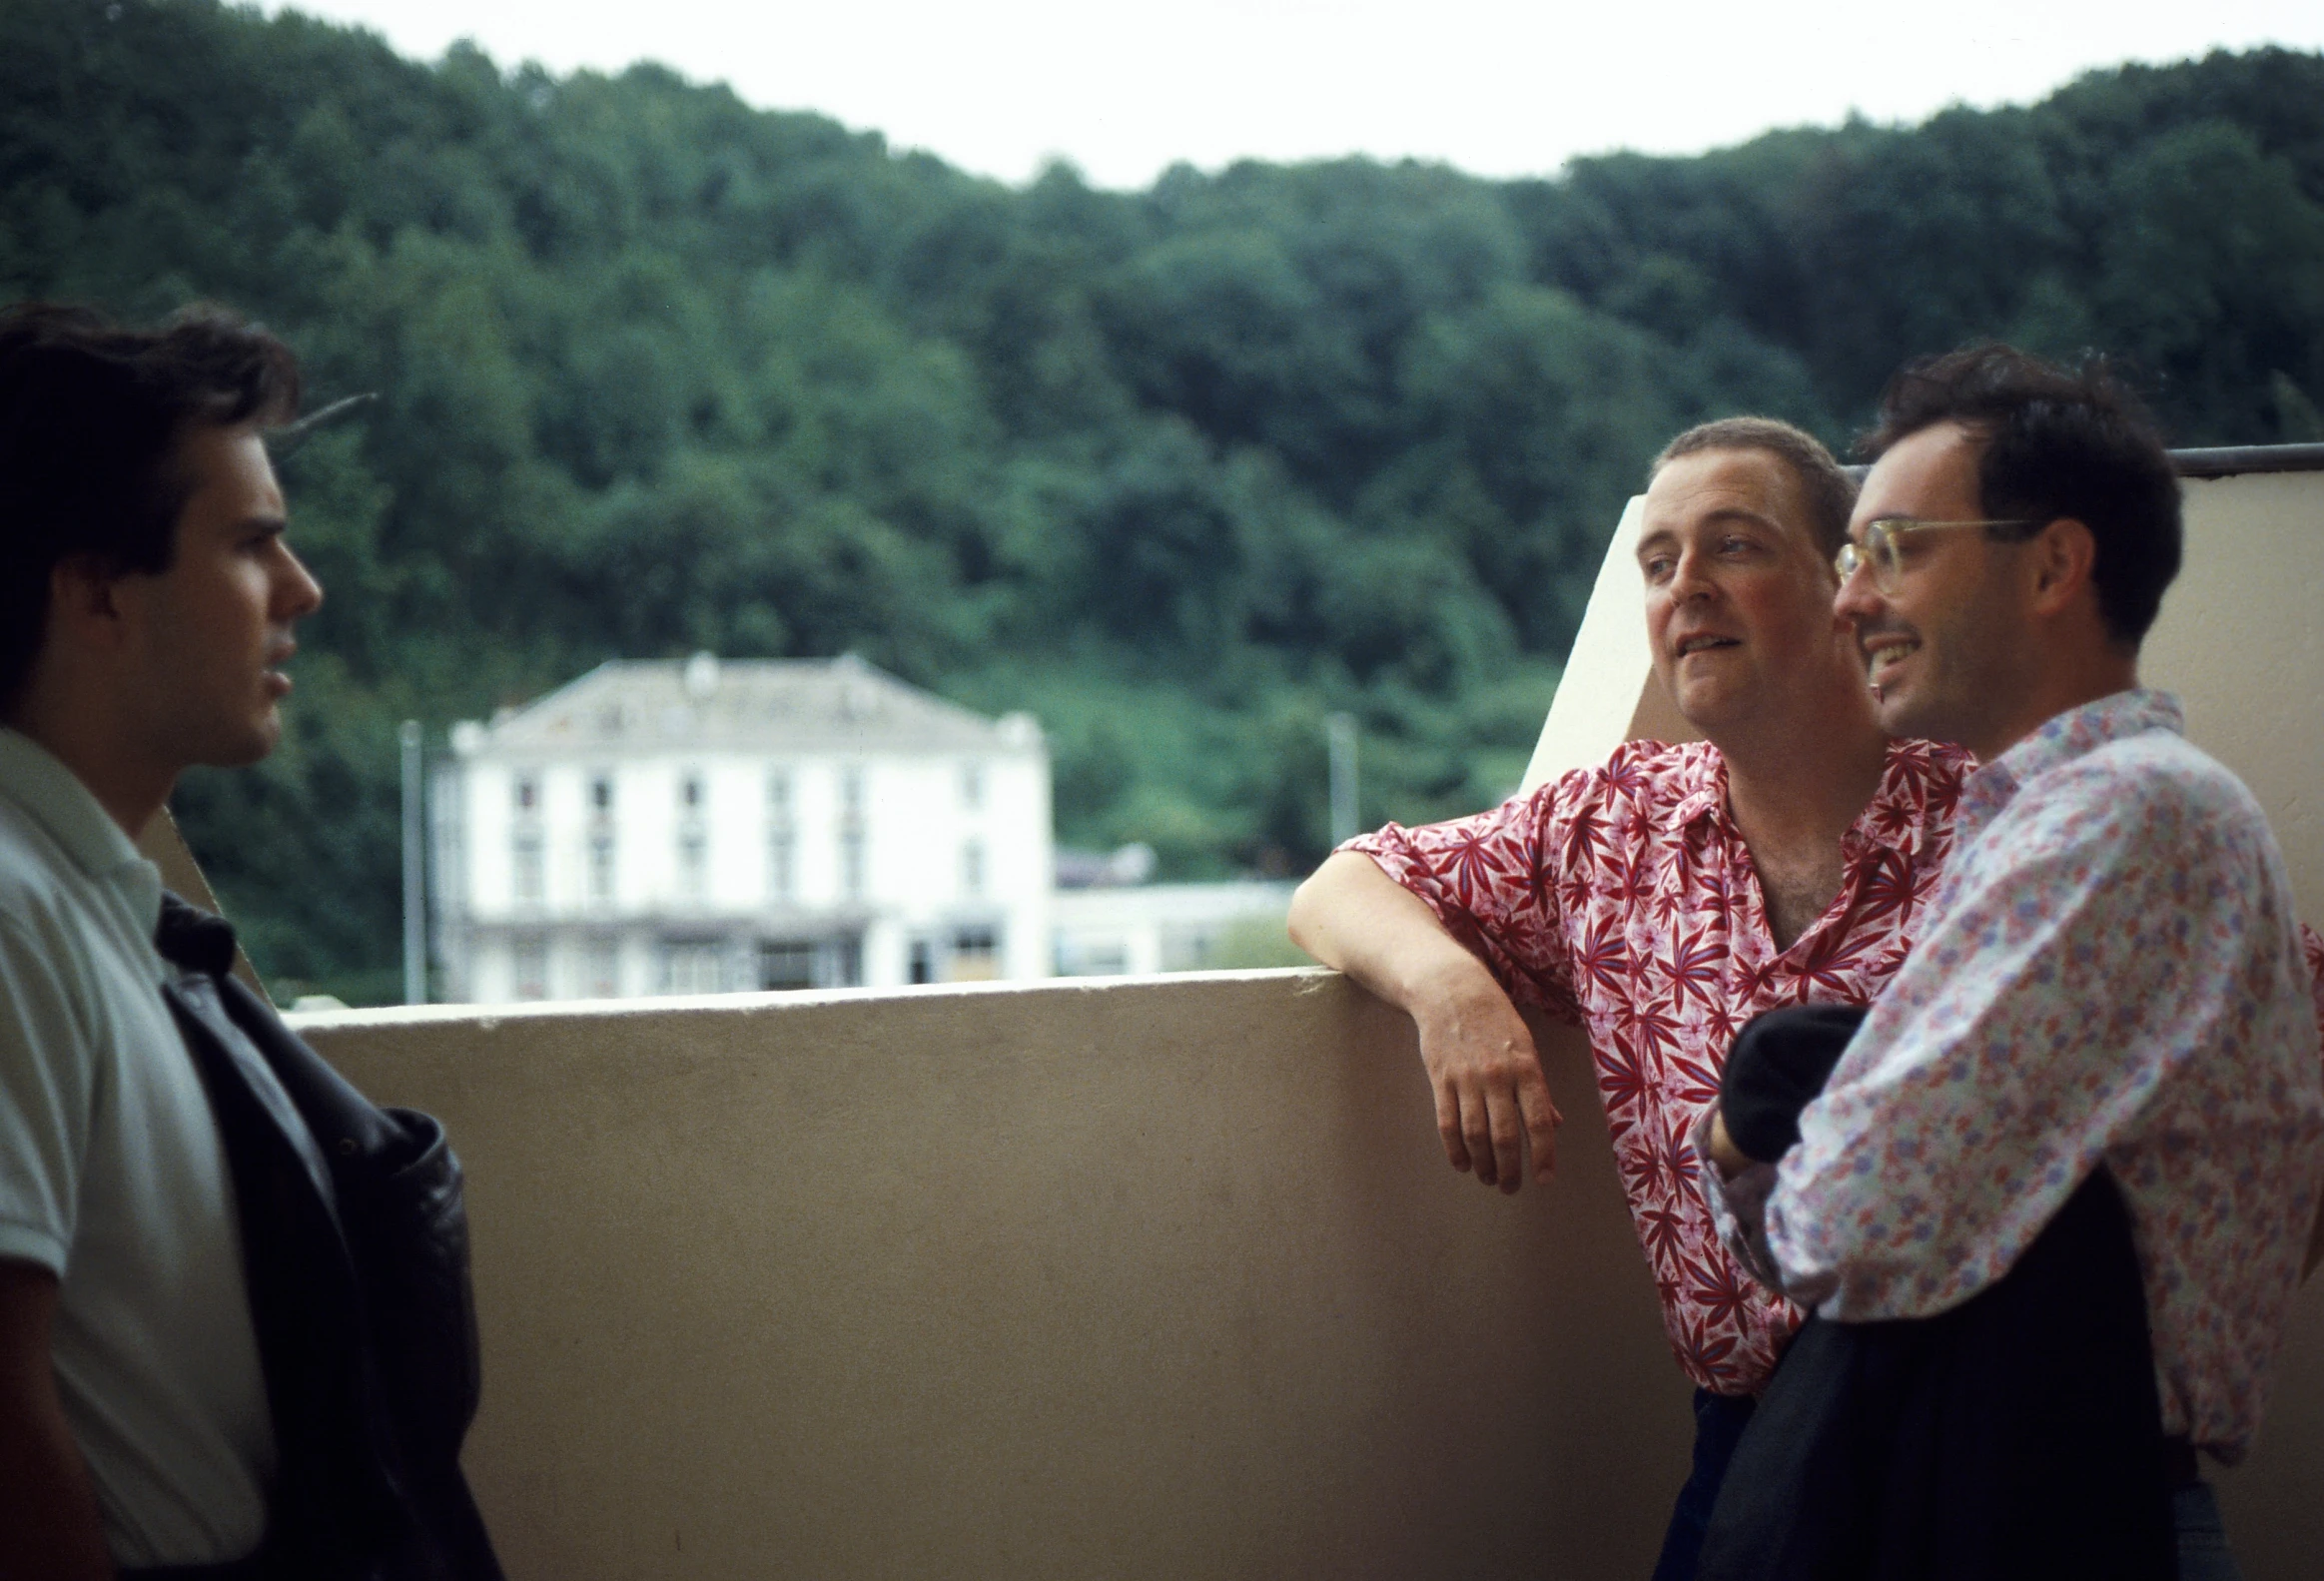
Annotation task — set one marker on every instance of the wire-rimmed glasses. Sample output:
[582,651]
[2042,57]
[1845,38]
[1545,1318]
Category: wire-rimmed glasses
[1881,550]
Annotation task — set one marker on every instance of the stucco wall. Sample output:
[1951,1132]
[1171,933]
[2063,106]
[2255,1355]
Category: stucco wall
[1153,1279]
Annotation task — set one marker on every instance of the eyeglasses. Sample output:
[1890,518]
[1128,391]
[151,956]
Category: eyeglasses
[1881,550]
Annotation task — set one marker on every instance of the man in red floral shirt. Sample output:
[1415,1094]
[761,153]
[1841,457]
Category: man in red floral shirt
[1667,895]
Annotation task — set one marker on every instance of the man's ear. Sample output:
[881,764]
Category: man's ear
[2063,555]
[84,604]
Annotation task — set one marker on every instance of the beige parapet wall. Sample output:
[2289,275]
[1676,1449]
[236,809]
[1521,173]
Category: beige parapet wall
[1149,1278]
[1155,1279]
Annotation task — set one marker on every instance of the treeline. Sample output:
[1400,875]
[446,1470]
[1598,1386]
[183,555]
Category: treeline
[1181,470]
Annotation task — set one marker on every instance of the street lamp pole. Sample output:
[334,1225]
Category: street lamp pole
[414,872]
[1340,733]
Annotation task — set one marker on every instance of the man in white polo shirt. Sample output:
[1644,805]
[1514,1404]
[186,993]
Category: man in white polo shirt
[195,1378]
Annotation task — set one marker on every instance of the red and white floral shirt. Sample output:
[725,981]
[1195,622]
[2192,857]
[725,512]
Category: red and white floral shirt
[1623,898]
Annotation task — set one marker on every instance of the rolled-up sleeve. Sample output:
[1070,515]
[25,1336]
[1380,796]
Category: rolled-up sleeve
[1493,884]
[44,1103]
[1738,1206]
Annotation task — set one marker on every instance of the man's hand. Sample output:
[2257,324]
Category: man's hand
[1492,1102]
[47,1513]
[1730,1160]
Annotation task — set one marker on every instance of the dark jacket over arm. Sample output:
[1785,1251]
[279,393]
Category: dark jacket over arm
[357,1248]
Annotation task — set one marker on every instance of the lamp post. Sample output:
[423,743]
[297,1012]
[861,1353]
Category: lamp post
[414,873]
[1340,732]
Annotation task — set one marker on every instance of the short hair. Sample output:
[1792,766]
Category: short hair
[2058,440]
[91,420]
[1826,490]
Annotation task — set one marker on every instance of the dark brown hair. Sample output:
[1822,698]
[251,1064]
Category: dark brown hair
[1826,490]
[91,417]
[2058,442]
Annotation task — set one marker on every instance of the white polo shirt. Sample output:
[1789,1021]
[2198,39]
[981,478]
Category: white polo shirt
[111,1175]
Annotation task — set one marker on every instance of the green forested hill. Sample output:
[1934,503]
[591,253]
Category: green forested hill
[1179,470]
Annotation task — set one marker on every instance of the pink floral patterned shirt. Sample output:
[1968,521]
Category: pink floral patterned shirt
[1623,898]
[2110,972]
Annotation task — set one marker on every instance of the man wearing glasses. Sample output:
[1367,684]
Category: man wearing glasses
[2109,975]
[1667,895]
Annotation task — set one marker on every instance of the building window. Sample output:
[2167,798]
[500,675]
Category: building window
[528,793]
[851,833]
[782,843]
[693,839]
[786,964]
[976,955]
[811,963]
[782,859]
[602,865]
[973,786]
[851,863]
[973,869]
[694,965]
[532,956]
[528,874]
[604,969]
[923,961]
[601,794]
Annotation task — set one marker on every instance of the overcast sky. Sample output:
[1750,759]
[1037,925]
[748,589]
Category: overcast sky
[1124,87]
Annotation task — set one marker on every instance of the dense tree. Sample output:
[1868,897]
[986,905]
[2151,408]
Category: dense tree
[1183,470]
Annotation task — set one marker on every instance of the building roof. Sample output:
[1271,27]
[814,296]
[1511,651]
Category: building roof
[654,705]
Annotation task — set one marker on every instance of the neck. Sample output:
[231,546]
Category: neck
[83,737]
[2058,684]
[1808,782]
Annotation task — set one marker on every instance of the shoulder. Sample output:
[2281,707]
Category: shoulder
[36,897]
[1936,768]
[2158,773]
[1644,775]
[2147,795]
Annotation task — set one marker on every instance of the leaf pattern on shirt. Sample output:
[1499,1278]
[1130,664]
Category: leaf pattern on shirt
[1623,898]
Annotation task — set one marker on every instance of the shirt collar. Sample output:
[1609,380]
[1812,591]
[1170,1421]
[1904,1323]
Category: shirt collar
[1706,787]
[2061,738]
[1890,818]
[53,796]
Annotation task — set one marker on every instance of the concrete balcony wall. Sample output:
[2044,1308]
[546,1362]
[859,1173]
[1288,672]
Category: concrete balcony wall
[1155,1279]
[1158,1279]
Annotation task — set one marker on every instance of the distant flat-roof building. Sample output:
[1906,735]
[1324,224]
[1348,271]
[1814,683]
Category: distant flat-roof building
[702,826]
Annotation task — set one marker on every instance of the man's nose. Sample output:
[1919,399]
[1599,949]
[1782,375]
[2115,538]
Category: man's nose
[1859,597]
[298,594]
[1687,578]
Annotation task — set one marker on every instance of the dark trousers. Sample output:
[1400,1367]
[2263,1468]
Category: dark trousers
[1719,1423]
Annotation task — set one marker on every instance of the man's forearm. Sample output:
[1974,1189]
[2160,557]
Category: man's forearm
[1491,1100]
[1350,915]
[49,1528]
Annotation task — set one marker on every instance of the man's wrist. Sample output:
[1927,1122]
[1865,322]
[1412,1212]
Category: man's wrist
[1725,1156]
[1448,982]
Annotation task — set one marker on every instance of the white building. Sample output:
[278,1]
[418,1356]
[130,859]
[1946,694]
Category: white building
[1104,929]
[668,828]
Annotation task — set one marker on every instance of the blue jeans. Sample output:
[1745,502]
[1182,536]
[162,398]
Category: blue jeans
[2203,1555]
[1719,1423]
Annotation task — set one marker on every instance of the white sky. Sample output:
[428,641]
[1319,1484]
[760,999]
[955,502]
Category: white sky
[1124,87]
